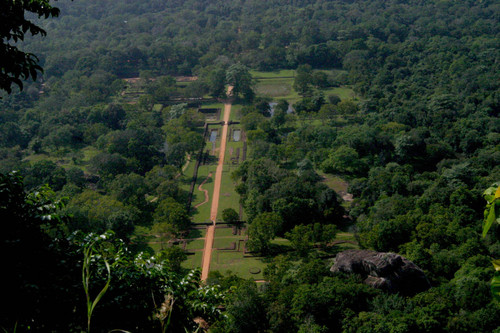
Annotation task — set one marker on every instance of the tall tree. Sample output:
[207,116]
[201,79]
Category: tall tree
[262,230]
[239,77]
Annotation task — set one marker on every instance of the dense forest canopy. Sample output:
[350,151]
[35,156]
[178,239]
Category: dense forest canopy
[418,144]
[177,37]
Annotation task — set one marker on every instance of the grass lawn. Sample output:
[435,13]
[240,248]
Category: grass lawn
[197,233]
[189,171]
[193,260]
[225,232]
[89,152]
[273,74]
[34,158]
[157,107]
[280,241]
[202,213]
[280,88]
[279,85]
[155,245]
[219,106]
[222,243]
[343,92]
[349,236]
[235,112]
[334,182]
[347,246]
[228,196]
[224,261]
[232,145]
[196,244]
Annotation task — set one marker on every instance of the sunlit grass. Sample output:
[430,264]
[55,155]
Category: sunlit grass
[273,74]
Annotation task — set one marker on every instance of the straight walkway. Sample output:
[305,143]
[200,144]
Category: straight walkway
[209,238]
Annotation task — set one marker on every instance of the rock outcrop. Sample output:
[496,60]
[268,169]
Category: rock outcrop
[387,271]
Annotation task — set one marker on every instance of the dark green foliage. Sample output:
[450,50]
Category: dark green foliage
[244,311]
[42,266]
[418,144]
[34,233]
[262,230]
[229,215]
[45,173]
[172,213]
[302,237]
[108,165]
[16,64]
[268,188]
[93,212]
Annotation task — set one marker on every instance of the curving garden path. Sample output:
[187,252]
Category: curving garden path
[201,189]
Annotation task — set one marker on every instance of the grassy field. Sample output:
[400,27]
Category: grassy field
[343,92]
[273,74]
[334,182]
[193,260]
[226,256]
[279,85]
[202,213]
[235,113]
[225,261]
[281,88]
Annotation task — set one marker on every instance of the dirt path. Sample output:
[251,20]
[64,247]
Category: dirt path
[209,238]
[184,167]
[201,189]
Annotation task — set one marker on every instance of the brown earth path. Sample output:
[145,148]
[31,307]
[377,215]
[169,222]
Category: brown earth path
[201,189]
[209,238]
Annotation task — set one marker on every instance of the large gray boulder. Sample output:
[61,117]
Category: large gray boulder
[387,271]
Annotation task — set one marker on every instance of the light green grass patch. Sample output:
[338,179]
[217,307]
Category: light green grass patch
[89,152]
[343,92]
[280,241]
[197,244]
[334,182]
[156,246]
[197,233]
[348,246]
[34,158]
[224,232]
[235,112]
[226,242]
[232,146]
[193,260]
[276,88]
[157,107]
[224,261]
[273,74]
[345,236]
[202,213]
[228,196]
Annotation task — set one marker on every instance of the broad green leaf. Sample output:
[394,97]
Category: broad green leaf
[489,197]
[489,220]
[495,286]
[497,193]
[496,263]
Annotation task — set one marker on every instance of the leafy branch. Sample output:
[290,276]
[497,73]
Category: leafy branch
[97,248]
[492,214]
